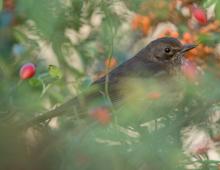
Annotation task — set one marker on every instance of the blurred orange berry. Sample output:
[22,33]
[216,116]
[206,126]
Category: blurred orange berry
[174,34]
[200,51]
[192,54]
[169,32]
[102,115]
[154,95]
[145,24]
[187,37]
[111,63]
[141,22]
[135,22]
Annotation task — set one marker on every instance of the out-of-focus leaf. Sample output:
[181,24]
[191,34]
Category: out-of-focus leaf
[133,6]
[35,82]
[75,14]
[207,3]
[55,72]
[44,13]
[210,39]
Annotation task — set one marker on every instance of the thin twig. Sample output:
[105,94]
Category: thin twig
[107,68]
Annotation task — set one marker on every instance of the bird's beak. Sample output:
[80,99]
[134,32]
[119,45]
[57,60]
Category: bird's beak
[188,47]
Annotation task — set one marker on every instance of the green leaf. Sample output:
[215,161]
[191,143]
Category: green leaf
[55,72]
[210,39]
[208,3]
[34,82]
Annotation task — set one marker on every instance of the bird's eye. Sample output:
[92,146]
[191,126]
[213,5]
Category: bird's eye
[167,50]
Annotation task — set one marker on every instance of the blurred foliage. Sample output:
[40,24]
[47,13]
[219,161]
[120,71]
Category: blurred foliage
[74,42]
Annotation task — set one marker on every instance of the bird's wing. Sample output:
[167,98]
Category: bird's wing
[133,68]
[79,105]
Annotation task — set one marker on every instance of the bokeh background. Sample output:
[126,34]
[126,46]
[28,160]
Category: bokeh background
[52,50]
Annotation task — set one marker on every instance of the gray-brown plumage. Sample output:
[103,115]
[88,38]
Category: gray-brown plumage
[163,55]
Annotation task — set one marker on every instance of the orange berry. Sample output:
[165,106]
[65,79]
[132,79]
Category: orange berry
[187,37]
[194,51]
[135,23]
[145,24]
[192,54]
[102,115]
[111,63]
[141,22]
[174,34]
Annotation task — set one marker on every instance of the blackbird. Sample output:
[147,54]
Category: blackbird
[163,55]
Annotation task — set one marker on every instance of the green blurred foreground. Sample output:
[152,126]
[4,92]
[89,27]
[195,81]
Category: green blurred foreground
[71,43]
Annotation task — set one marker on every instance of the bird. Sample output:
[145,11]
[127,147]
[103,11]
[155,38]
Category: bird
[163,55]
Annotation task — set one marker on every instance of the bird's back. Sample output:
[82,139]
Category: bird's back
[139,66]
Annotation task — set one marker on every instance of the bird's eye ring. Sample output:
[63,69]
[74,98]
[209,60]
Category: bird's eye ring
[167,50]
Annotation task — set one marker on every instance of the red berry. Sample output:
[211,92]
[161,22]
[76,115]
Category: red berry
[200,15]
[27,71]
[111,63]
[102,115]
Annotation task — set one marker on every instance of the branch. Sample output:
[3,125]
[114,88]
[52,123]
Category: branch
[65,108]
[76,105]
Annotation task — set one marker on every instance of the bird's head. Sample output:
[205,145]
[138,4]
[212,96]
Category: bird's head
[168,50]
